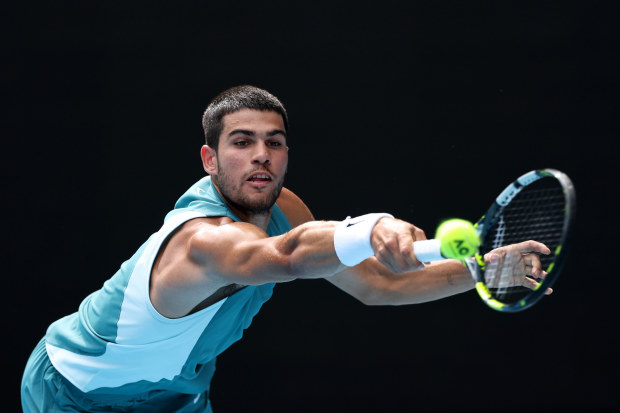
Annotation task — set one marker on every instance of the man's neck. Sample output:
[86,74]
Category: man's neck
[260,220]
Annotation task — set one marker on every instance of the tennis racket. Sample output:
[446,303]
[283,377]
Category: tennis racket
[539,206]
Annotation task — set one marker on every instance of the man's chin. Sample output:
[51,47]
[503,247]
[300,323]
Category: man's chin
[256,204]
[247,200]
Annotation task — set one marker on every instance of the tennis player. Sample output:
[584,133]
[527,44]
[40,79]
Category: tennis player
[149,338]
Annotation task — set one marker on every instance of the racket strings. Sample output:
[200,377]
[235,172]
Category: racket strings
[536,213]
[498,240]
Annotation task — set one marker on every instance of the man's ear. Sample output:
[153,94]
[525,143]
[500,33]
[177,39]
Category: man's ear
[209,159]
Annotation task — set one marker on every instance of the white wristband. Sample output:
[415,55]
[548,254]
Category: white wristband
[352,238]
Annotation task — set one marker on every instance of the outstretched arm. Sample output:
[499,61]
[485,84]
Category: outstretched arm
[377,282]
[206,254]
[244,254]
[383,280]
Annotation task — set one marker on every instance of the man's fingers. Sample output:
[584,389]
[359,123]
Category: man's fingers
[405,242]
[517,264]
[535,272]
[532,284]
[532,246]
[533,265]
[398,256]
[397,265]
[394,245]
[529,283]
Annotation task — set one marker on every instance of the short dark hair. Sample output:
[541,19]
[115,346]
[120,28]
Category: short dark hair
[233,100]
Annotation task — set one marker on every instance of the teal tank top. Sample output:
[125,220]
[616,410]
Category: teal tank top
[117,343]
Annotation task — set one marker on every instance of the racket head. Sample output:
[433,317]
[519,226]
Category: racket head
[540,205]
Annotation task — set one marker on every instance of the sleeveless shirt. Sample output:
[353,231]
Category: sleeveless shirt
[117,342]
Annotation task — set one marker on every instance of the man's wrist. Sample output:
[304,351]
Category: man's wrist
[352,238]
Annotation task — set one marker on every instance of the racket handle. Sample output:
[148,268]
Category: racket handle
[428,250]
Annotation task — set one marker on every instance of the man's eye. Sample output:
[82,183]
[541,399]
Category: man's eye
[241,143]
[274,143]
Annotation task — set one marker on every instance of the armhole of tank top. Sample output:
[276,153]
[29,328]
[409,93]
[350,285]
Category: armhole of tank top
[179,220]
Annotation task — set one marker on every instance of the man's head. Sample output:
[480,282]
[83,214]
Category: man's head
[233,100]
[248,127]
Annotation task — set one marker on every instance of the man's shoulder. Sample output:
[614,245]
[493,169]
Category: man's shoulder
[198,224]
[296,211]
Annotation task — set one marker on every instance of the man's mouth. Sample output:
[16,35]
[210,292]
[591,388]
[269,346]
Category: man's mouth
[259,177]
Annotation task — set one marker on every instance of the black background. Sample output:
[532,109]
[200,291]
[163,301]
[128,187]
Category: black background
[423,109]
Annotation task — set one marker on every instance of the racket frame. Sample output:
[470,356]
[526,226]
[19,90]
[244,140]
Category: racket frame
[476,264]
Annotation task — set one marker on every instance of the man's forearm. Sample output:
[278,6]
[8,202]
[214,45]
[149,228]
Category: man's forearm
[373,284]
[438,280]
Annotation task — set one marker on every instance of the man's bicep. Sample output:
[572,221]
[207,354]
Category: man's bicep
[238,253]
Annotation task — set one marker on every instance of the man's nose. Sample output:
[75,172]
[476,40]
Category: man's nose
[261,154]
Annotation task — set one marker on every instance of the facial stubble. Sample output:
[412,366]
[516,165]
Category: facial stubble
[232,194]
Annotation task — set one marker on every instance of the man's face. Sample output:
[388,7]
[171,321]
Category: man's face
[251,160]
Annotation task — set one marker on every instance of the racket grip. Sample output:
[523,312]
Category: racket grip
[428,250]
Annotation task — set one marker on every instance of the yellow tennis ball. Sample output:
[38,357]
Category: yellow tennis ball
[458,237]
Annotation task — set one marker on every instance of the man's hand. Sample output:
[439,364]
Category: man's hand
[516,265]
[392,241]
